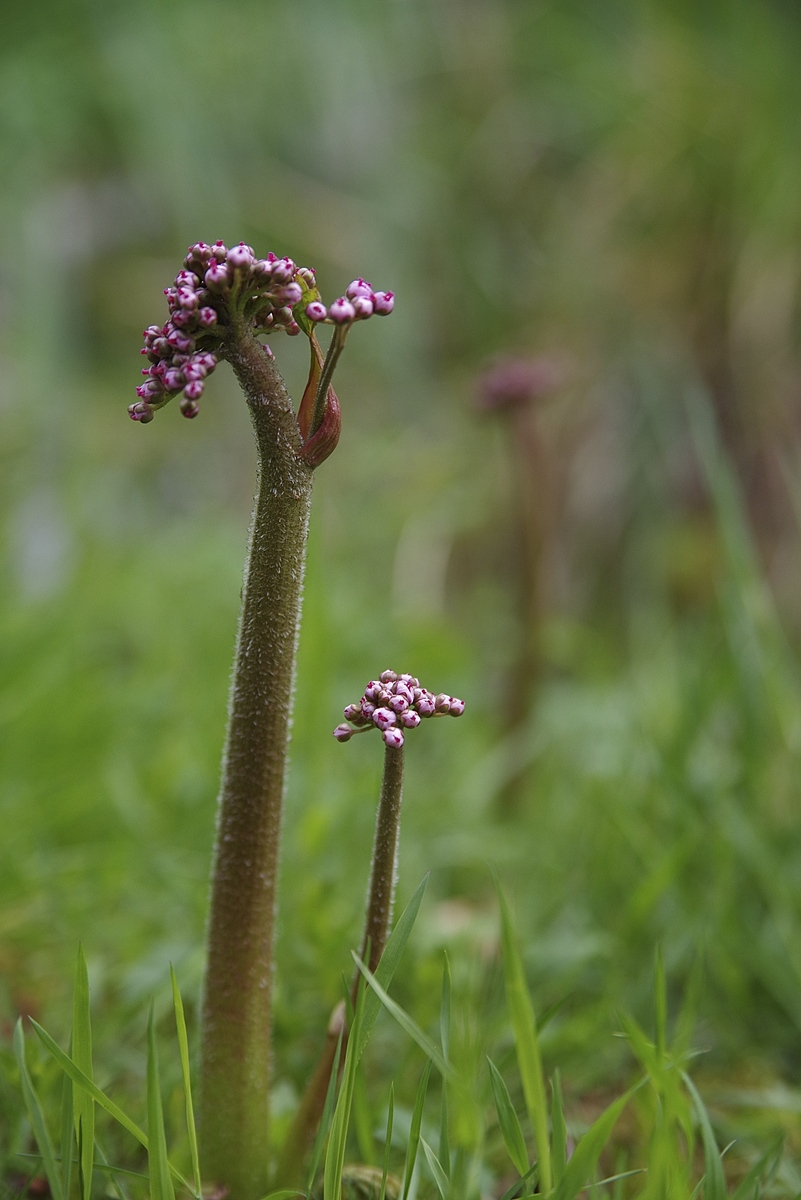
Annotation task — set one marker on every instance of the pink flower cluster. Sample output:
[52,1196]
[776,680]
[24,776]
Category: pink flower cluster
[272,295]
[358,303]
[394,704]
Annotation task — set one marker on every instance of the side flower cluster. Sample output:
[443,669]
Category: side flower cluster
[271,295]
[358,303]
[394,704]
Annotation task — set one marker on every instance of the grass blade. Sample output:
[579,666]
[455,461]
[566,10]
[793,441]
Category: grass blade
[325,1119]
[36,1116]
[183,1048]
[335,1155]
[434,1165]
[414,1130]
[67,1134]
[515,1188]
[445,1040]
[588,1149]
[414,1031]
[387,1142]
[388,964]
[83,1104]
[521,1012]
[160,1179]
[558,1129]
[77,1076]
[507,1120]
[715,1184]
[660,1005]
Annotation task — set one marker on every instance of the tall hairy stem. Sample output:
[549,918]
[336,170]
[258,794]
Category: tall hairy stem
[236,1022]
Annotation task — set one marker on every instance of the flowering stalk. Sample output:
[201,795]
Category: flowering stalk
[221,301]
[394,704]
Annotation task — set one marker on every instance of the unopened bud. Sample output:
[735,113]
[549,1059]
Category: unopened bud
[343,733]
[342,311]
[316,311]
[383,303]
[392,738]
[383,718]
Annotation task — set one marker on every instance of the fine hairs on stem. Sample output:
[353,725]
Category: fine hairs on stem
[393,704]
[222,301]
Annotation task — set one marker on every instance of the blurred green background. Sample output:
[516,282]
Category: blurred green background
[611,187]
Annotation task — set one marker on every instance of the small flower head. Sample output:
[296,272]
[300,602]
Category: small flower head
[394,704]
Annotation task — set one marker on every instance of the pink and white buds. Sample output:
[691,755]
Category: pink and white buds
[215,282]
[343,733]
[393,703]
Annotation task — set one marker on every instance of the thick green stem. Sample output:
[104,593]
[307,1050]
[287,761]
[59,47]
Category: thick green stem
[380,898]
[236,1026]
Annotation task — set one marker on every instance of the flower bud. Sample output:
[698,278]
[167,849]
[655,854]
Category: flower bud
[174,379]
[442,703]
[187,297]
[207,317]
[291,293]
[398,703]
[367,709]
[362,307]
[342,312]
[187,279]
[316,311]
[426,705]
[283,270]
[410,719]
[384,718]
[307,275]
[383,303]
[402,689]
[388,676]
[393,738]
[189,408]
[373,691]
[216,277]
[456,707]
[343,733]
[359,287]
[241,257]
[194,389]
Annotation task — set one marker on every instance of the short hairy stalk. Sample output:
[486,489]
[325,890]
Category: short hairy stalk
[394,705]
[378,921]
